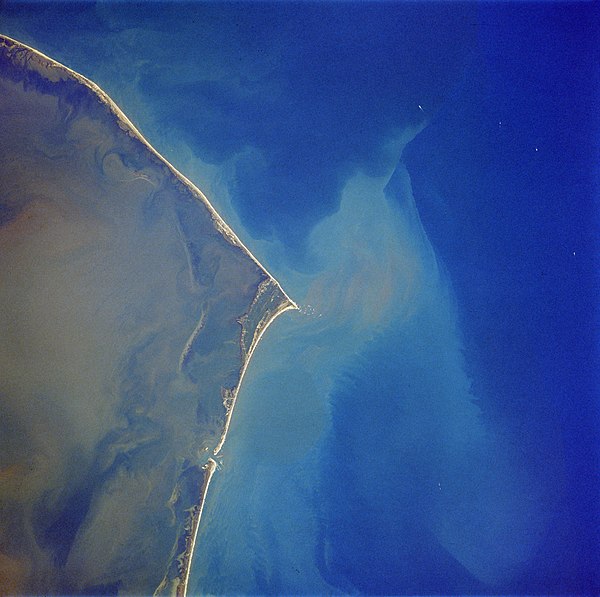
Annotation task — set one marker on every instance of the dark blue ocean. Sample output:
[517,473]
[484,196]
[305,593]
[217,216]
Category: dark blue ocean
[423,180]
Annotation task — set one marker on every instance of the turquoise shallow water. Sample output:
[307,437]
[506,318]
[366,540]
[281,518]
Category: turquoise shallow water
[269,466]
[428,424]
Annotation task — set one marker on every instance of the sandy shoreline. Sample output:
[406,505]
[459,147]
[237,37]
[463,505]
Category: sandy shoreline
[210,468]
[130,129]
[45,68]
[284,307]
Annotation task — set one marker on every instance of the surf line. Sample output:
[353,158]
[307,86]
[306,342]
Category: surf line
[285,305]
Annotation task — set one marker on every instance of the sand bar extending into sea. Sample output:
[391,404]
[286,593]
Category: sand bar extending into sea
[269,301]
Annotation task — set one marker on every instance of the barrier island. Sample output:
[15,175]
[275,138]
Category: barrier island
[129,311]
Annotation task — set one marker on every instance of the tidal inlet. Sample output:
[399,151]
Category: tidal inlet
[129,312]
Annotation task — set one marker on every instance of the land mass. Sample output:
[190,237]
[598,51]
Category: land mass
[129,313]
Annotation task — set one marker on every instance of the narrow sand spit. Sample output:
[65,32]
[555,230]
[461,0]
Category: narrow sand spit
[265,303]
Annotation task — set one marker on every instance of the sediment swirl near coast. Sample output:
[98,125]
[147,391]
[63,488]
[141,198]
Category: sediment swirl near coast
[129,312]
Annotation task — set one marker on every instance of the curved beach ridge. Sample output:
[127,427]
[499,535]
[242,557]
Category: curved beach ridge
[267,292]
[50,64]
[178,587]
[269,302]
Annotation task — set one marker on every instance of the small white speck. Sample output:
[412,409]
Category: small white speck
[573,253]
[536,148]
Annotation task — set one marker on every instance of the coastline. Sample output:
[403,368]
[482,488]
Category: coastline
[130,129]
[210,467]
[257,336]
[45,66]
[179,585]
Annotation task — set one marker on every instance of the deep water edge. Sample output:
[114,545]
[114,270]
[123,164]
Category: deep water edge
[423,180]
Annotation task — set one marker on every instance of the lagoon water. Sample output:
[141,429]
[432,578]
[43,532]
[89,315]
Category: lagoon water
[422,180]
